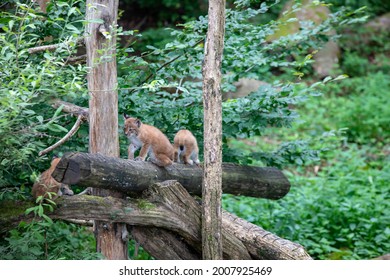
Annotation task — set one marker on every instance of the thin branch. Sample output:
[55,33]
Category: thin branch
[76,59]
[51,47]
[71,132]
[71,108]
[87,223]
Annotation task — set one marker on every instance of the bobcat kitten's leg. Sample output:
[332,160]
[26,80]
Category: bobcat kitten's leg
[176,153]
[143,153]
[161,160]
[186,156]
[195,155]
[131,150]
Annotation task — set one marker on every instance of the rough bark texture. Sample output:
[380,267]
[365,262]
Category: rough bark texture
[100,42]
[133,177]
[212,104]
[167,223]
[43,5]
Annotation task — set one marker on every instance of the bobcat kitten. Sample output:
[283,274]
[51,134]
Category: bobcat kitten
[186,147]
[151,141]
[131,150]
[46,183]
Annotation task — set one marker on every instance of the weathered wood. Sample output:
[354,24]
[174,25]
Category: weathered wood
[179,201]
[163,244]
[212,107]
[71,108]
[167,223]
[132,177]
[100,42]
[262,244]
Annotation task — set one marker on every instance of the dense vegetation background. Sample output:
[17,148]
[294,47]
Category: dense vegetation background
[330,134]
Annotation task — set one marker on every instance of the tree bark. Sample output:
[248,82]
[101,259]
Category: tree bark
[43,5]
[212,105]
[100,43]
[169,221]
[133,177]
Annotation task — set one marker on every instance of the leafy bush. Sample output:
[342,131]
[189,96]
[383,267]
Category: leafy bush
[49,241]
[27,122]
[358,104]
[343,213]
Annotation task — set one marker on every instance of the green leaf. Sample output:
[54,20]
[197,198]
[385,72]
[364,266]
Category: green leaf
[56,127]
[40,210]
[327,79]
[58,111]
[29,210]
[73,28]
[341,77]
[47,218]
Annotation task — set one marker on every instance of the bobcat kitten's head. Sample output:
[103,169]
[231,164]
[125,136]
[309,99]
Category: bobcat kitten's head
[132,126]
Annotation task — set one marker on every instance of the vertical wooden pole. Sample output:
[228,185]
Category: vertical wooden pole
[212,104]
[101,15]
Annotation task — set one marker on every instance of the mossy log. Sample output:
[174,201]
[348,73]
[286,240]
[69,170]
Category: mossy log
[166,222]
[133,177]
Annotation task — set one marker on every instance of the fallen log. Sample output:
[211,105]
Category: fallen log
[133,177]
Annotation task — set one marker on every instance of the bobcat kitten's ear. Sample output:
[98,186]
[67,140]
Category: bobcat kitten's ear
[138,122]
[125,116]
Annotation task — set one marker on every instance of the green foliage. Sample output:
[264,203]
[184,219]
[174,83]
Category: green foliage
[358,104]
[165,90]
[27,122]
[343,213]
[165,12]
[376,7]
[49,241]
[365,50]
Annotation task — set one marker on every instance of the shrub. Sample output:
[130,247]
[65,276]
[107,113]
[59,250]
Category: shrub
[343,213]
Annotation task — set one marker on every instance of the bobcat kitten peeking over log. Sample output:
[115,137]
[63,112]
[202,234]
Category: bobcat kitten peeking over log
[46,183]
[186,147]
[151,141]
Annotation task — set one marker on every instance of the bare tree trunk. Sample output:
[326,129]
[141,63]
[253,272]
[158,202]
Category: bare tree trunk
[43,5]
[212,104]
[100,42]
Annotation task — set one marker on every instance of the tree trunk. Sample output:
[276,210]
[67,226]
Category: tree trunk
[169,221]
[100,43]
[43,5]
[212,105]
[133,177]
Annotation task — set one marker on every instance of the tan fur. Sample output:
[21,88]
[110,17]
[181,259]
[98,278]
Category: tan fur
[186,147]
[46,184]
[151,141]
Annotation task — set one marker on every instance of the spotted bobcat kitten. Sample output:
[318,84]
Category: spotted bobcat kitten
[151,141]
[186,147]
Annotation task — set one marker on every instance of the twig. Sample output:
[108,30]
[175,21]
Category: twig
[51,47]
[71,108]
[75,127]
[76,59]
[88,223]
